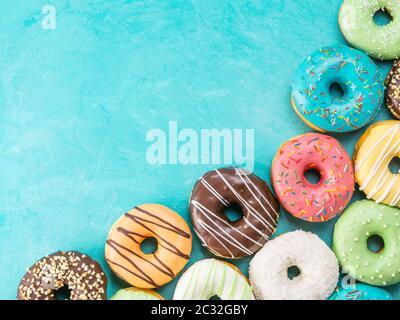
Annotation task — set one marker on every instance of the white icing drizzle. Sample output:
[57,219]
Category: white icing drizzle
[379,184]
[214,192]
[361,162]
[207,213]
[388,188]
[379,161]
[396,199]
[246,204]
[385,180]
[241,174]
[211,231]
[224,235]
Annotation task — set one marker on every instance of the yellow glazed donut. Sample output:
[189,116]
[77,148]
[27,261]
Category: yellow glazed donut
[142,270]
[373,153]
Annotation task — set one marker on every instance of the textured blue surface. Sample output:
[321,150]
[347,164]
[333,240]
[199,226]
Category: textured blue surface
[76,104]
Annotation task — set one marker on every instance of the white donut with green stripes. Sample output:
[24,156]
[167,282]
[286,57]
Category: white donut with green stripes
[211,277]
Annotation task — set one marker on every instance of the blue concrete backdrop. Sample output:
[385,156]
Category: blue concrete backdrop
[76,104]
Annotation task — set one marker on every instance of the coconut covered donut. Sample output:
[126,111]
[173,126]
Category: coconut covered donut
[318,266]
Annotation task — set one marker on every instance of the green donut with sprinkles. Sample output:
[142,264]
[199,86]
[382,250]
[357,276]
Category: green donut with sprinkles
[354,228]
[356,20]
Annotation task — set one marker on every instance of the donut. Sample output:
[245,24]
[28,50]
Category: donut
[373,153]
[356,74]
[356,20]
[357,224]
[82,275]
[318,266]
[360,291]
[211,277]
[313,202]
[136,294]
[142,270]
[392,93]
[219,189]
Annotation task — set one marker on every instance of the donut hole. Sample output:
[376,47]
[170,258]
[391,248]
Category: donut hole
[382,17]
[312,176]
[293,272]
[64,293]
[394,165]
[233,213]
[149,245]
[375,243]
[336,90]
[215,297]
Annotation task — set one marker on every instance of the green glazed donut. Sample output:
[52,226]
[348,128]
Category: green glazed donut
[358,27]
[357,224]
[136,294]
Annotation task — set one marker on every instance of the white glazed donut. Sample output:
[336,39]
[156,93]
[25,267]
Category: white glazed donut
[318,266]
[212,277]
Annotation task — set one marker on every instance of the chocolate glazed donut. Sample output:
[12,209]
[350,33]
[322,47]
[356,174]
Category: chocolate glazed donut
[392,94]
[214,193]
[82,275]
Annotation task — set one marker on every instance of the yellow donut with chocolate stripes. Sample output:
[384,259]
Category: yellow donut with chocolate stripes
[377,147]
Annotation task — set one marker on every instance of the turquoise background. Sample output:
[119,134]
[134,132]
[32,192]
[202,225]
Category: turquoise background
[76,104]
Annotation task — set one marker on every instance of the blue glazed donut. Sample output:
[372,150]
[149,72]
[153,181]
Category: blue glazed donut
[359,79]
[361,291]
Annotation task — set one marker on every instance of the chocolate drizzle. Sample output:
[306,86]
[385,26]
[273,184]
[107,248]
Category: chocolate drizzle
[178,231]
[172,227]
[131,256]
[221,188]
[142,275]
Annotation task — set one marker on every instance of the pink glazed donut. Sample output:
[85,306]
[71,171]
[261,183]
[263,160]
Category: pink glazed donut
[304,200]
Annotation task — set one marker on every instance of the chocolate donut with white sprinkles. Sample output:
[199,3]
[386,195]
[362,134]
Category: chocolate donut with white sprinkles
[220,189]
[82,275]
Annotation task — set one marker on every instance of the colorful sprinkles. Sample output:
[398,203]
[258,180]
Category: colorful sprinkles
[304,200]
[357,75]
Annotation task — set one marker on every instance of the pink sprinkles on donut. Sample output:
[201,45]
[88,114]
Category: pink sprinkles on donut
[313,202]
